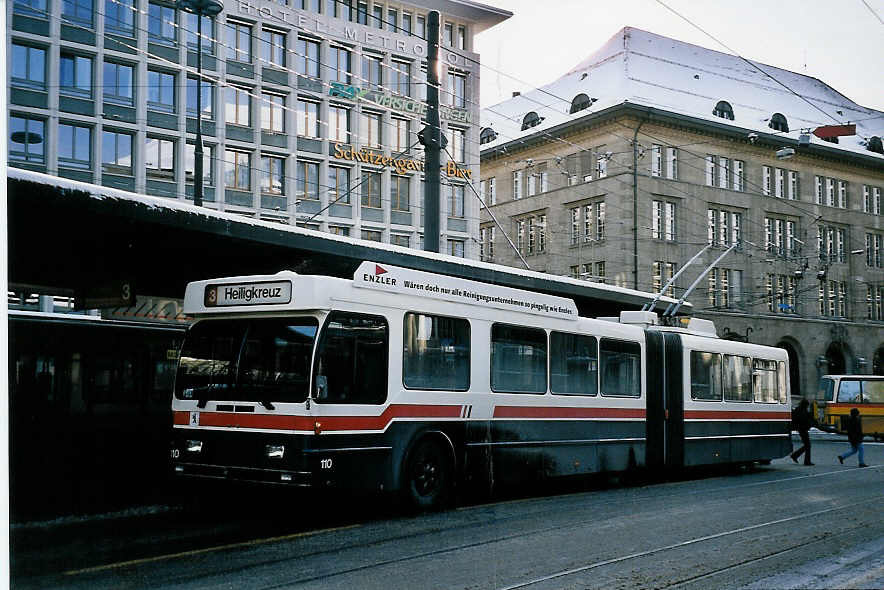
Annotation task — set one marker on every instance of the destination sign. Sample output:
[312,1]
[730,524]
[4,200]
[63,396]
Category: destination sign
[423,284]
[267,293]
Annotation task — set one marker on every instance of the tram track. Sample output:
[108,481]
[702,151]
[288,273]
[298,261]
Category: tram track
[610,511]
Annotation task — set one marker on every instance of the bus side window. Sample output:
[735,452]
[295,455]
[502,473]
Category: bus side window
[849,391]
[352,360]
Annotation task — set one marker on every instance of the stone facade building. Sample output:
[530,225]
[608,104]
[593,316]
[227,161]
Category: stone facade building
[310,108]
[652,149]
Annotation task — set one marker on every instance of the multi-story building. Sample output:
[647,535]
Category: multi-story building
[310,108]
[651,149]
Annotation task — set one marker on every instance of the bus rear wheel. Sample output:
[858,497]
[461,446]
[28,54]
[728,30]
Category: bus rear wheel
[429,476]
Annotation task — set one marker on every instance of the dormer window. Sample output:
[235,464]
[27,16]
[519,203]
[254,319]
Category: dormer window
[580,102]
[487,135]
[724,110]
[830,139]
[531,120]
[875,145]
[778,123]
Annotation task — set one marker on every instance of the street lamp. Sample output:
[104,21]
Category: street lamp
[200,8]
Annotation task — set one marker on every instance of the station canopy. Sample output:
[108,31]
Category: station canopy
[79,239]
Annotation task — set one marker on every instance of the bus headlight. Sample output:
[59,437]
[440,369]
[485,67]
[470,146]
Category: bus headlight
[274,451]
[194,446]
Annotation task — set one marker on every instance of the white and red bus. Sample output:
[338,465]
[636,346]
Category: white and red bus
[412,382]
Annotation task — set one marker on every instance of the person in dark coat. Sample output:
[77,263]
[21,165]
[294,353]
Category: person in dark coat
[803,421]
[854,437]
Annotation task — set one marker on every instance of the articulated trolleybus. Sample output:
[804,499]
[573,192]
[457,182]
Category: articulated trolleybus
[407,381]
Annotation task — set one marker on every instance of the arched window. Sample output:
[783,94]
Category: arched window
[875,145]
[580,102]
[724,110]
[778,123]
[487,135]
[531,120]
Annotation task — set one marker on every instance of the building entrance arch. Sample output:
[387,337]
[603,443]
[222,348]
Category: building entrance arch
[878,361]
[794,366]
[837,356]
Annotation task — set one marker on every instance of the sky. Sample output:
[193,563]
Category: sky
[837,41]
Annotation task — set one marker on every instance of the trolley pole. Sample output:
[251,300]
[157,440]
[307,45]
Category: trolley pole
[432,139]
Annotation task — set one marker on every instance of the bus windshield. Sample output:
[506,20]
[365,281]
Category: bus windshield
[264,360]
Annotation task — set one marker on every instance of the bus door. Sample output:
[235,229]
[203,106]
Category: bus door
[665,404]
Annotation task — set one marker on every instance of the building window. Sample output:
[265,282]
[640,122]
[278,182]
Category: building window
[833,298]
[724,227]
[486,243]
[27,139]
[873,250]
[78,11]
[875,303]
[308,119]
[517,185]
[75,75]
[272,48]
[372,72]
[421,26]
[538,183]
[487,192]
[399,192]
[487,135]
[370,129]
[448,34]
[118,83]
[362,12]
[377,16]
[273,113]
[160,91]
[393,19]
[339,64]
[159,158]
[339,230]
[400,240]
[371,189]
[239,42]
[842,194]
[461,37]
[307,180]
[400,134]
[456,200]
[456,248]
[457,142]
[29,66]
[208,159]
[832,244]
[308,57]
[339,124]
[457,93]
[273,175]
[116,152]
[74,146]
[792,193]
[593,222]
[239,106]
[778,123]
[338,185]
[373,235]
[663,221]
[207,100]
[191,27]
[530,120]
[723,110]
[662,274]
[161,25]
[575,225]
[406,23]
[36,7]
[119,16]
[401,72]
[237,168]
[739,182]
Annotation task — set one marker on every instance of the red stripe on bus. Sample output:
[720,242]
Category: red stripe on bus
[735,415]
[328,423]
[550,412]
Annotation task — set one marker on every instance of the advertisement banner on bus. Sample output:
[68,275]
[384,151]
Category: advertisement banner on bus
[413,282]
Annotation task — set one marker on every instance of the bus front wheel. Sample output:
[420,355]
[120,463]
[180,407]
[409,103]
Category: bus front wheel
[429,476]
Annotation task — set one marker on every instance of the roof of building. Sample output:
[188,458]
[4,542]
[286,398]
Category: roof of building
[648,70]
[481,15]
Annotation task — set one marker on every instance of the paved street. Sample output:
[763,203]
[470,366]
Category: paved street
[780,526]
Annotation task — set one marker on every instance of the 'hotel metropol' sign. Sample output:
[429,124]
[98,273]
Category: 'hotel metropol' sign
[320,24]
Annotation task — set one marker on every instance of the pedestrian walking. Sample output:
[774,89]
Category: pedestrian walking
[854,437]
[803,421]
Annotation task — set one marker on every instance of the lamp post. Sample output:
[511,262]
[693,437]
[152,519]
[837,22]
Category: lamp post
[200,8]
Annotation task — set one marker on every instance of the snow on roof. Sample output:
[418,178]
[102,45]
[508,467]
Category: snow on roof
[103,192]
[646,69]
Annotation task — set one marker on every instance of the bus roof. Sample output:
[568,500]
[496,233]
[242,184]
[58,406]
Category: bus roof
[289,291]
